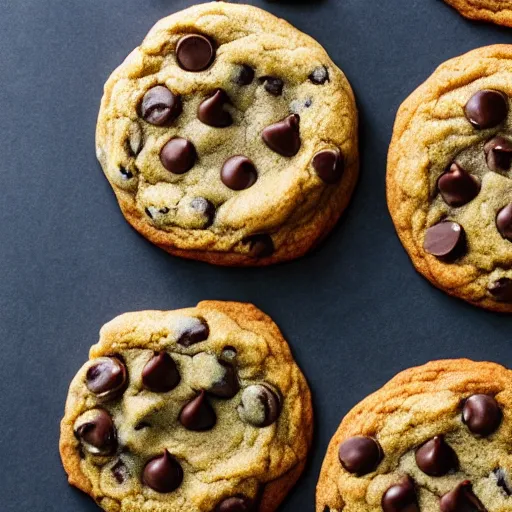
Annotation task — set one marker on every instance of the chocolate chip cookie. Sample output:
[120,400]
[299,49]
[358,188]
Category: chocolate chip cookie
[495,11]
[437,438]
[449,181]
[200,409]
[229,136]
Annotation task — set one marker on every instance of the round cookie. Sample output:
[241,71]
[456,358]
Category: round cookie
[495,11]
[449,178]
[229,136]
[436,438]
[198,409]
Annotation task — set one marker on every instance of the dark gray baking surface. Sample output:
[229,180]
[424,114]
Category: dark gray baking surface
[355,312]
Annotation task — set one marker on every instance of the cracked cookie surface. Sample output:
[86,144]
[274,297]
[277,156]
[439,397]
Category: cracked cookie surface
[436,438]
[198,409]
[495,11]
[229,136]
[449,178]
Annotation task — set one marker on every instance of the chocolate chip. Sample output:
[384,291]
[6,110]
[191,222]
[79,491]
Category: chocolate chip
[320,75]
[502,481]
[482,414]
[195,332]
[178,155]
[458,187]
[504,222]
[211,111]
[228,386]
[401,497]
[260,246]
[461,499]
[148,213]
[235,504]
[501,289]
[107,377]
[195,52]
[161,373]
[160,106]
[273,85]
[486,109]
[141,425]
[204,207]
[498,153]
[238,173]
[163,473]
[245,75]
[436,457]
[329,165]
[97,432]
[360,455]
[260,406]
[164,210]
[284,137]
[125,173]
[445,240]
[198,414]
[120,472]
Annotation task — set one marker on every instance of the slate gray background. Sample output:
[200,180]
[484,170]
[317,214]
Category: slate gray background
[355,312]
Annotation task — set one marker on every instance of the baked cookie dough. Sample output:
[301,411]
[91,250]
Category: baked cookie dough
[200,409]
[449,179]
[229,136]
[495,11]
[437,438]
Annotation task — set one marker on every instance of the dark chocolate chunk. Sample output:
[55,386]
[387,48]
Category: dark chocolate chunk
[401,497]
[502,480]
[498,153]
[360,455]
[107,377]
[445,240]
[482,414]
[98,433]
[198,414]
[228,386]
[235,504]
[197,331]
[163,473]
[504,222]
[461,499]
[486,109]
[160,106]
[458,187]
[204,207]
[260,406]
[273,85]
[211,110]
[238,173]
[501,289]
[329,165]
[125,173]
[320,75]
[436,457]
[260,246]
[245,75]
[120,472]
[178,155]
[284,137]
[195,52]
[160,373]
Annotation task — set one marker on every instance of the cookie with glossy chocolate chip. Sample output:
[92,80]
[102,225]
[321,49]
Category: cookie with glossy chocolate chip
[495,11]
[449,178]
[436,438]
[199,409]
[229,136]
